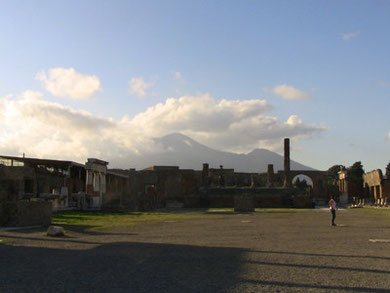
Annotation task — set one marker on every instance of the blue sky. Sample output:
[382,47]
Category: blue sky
[326,63]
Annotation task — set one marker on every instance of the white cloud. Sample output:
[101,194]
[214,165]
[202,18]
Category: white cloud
[177,75]
[138,86]
[294,120]
[349,36]
[31,125]
[39,128]
[289,93]
[66,82]
[231,125]
[388,136]
[200,113]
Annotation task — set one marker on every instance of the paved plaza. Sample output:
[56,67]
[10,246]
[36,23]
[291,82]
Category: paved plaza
[266,251]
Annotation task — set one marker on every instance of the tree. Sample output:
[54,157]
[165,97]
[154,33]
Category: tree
[301,184]
[297,182]
[388,170]
[356,170]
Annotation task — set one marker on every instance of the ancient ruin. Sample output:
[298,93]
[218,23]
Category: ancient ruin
[30,188]
[377,187]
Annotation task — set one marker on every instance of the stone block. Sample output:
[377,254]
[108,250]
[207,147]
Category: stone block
[34,213]
[302,202]
[55,231]
[244,204]
[3,214]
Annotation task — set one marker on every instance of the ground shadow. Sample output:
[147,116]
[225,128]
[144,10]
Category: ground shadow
[124,266]
[142,267]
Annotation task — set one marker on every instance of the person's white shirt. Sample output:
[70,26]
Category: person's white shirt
[332,204]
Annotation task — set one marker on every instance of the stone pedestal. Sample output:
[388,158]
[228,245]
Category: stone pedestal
[244,204]
[55,231]
[270,176]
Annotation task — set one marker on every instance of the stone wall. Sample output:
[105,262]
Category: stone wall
[320,189]
[115,188]
[13,180]
[3,213]
[25,213]
[244,204]
[374,186]
[373,178]
[224,177]
[386,189]
[262,197]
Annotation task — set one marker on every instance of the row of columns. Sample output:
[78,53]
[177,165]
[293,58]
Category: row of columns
[270,170]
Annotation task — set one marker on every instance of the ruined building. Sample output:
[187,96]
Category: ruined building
[71,185]
[372,188]
[31,188]
[377,187]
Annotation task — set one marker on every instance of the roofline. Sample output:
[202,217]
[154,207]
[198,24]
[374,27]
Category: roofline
[37,160]
[117,174]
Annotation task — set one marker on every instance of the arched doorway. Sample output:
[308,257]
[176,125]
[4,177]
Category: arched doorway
[303,184]
[302,180]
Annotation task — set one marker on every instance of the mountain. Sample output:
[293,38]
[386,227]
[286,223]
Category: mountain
[180,150]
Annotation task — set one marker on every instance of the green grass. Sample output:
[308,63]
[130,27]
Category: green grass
[259,210]
[75,220]
[215,210]
[84,221]
[280,210]
[5,241]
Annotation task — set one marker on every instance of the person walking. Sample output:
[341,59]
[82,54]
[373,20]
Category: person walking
[332,207]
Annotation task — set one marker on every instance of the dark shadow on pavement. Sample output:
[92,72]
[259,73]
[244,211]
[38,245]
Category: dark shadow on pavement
[123,266]
[140,267]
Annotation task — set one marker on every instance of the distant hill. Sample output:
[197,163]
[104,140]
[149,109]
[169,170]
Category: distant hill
[180,150]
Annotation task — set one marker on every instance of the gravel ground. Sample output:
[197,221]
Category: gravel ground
[293,251]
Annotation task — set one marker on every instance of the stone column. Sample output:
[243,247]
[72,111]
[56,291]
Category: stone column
[270,175]
[253,183]
[205,174]
[287,179]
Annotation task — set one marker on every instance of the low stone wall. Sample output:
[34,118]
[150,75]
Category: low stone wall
[244,204]
[112,200]
[3,215]
[302,202]
[9,212]
[262,198]
[272,201]
[25,213]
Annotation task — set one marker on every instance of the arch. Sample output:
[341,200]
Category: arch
[302,177]
[319,179]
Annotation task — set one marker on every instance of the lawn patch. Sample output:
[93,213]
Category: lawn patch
[80,221]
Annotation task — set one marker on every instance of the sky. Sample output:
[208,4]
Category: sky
[101,79]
